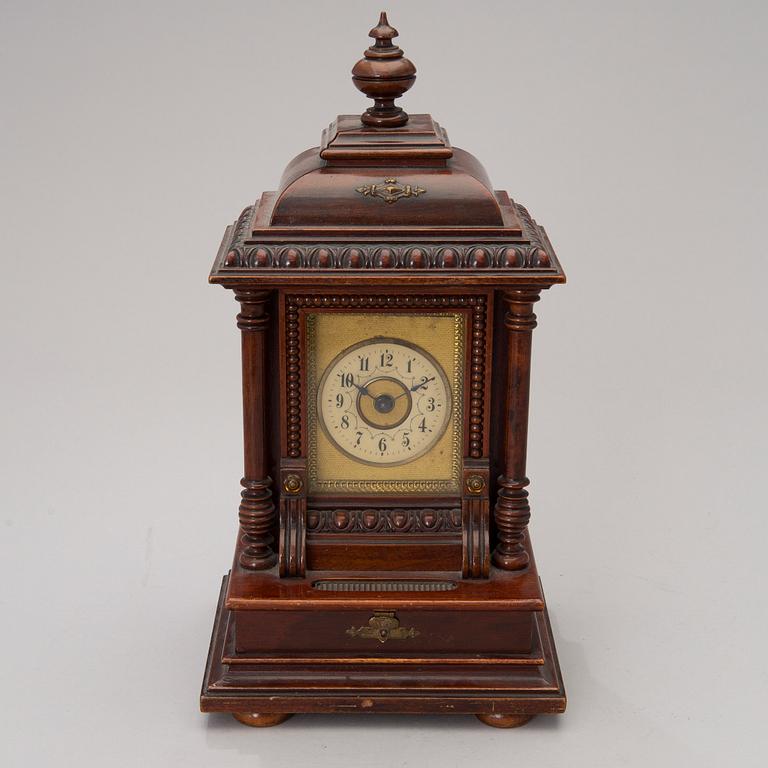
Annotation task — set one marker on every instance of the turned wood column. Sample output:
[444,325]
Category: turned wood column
[257,509]
[512,511]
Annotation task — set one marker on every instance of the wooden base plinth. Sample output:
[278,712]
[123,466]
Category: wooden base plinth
[502,690]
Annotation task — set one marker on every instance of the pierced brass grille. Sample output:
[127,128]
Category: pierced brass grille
[374,585]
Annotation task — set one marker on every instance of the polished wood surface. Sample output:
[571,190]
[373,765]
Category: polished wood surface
[384,74]
[512,511]
[349,202]
[436,632]
[427,599]
[502,590]
[395,682]
[257,509]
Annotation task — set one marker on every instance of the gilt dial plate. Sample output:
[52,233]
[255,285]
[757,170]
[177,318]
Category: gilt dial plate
[384,401]
[411,460]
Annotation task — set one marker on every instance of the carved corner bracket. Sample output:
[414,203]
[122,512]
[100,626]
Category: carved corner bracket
[475,508]
[293,516]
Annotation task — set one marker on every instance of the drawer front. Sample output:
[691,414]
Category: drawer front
[383,632]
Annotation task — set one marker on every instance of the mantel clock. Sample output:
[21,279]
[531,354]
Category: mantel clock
[383,562]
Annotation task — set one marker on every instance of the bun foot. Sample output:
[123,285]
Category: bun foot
[504,721]
[260,720]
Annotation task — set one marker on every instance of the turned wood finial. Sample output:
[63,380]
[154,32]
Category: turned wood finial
[384,75]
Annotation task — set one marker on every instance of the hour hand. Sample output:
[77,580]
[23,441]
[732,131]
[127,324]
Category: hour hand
[363,390]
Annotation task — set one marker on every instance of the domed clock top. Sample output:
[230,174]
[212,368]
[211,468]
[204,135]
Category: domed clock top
[387,192]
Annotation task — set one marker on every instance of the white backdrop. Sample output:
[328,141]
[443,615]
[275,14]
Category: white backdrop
[132,133]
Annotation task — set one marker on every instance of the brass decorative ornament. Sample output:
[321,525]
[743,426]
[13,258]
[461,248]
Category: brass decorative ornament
[475,483]
[292,484]
[390,191]
[383,626]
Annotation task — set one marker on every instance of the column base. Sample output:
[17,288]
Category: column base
[513,562]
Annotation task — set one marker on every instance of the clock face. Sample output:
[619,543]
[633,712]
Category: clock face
[384,401]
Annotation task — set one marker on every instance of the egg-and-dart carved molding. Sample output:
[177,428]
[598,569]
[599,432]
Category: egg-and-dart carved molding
[383,520]
[386,256]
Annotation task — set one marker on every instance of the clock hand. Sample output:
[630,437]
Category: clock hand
[363,390]
[421,384]
[415,387]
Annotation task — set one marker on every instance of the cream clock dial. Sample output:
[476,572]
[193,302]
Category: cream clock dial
[384,401]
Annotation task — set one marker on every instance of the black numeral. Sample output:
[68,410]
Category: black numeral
[406,440]
[382,444]
[386,359]
[359,437]
[339,401]
[363,363]
[347,379]
[345,421]
[423,425]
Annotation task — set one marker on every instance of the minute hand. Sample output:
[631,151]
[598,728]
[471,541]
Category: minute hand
[421,384]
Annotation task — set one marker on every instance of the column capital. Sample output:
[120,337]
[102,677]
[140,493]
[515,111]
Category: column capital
[520,315]
[253,314]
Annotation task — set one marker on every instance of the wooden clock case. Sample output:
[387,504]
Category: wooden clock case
[409,603]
